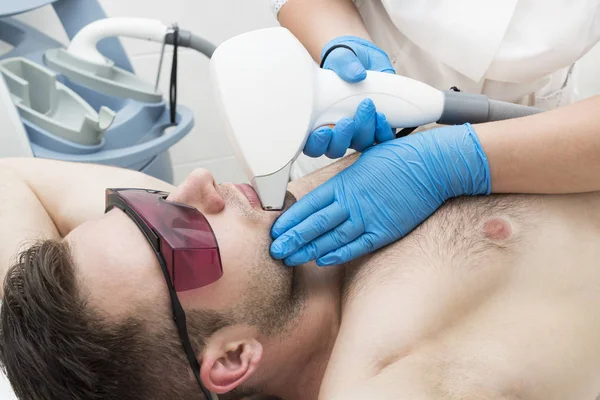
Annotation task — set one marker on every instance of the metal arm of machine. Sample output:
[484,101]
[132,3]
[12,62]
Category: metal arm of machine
[189,40]
[84,43]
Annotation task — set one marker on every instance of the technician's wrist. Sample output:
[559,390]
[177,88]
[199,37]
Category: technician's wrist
[461,162]
[476,177]
[276,6]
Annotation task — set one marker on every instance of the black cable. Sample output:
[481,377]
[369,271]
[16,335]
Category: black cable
[332,48]
[173,84]
[405,132]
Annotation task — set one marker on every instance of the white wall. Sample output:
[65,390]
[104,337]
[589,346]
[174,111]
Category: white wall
[216,20]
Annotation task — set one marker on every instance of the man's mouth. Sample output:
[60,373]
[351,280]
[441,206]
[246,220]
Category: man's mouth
[250,194]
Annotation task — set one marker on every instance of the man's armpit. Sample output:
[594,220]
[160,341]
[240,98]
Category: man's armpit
[23,219]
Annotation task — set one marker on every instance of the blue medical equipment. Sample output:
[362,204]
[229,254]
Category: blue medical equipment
[67,118]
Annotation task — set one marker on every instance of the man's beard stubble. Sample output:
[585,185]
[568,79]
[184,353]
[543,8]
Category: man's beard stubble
[273,298]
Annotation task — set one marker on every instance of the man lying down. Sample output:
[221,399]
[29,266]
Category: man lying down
[491,298]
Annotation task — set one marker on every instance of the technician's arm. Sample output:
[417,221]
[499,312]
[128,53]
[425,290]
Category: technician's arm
[68,193]
[553,152]
[315,22]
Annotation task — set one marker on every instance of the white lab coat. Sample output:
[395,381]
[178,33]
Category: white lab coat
[521,51]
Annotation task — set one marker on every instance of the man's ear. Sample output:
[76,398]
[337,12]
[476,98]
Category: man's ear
[226,366]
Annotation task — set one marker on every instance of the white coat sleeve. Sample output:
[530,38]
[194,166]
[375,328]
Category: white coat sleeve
[277,4]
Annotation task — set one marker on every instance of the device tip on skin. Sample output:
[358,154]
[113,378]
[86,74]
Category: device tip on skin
[289,200]
[271,208]
[272,188]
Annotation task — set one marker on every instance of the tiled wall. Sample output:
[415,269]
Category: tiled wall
[215,20]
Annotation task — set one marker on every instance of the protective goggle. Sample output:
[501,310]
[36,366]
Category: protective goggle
[184,244]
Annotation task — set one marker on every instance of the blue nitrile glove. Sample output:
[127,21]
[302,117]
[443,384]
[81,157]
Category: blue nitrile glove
[384,195]
[368,126]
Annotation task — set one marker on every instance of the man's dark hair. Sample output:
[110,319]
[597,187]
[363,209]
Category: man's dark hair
[55,345]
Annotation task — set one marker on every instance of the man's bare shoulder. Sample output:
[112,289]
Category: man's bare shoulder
[23,218]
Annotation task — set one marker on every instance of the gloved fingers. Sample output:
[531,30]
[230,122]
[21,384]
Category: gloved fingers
[379,61]
[383,131]
[372,57]
[306,231]
[314,201]
[330,241]
[318,142]
[343,132]
[345,63]
[365,121]
[365,244]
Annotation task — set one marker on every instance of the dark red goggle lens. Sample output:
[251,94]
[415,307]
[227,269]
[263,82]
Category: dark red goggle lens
[182,235]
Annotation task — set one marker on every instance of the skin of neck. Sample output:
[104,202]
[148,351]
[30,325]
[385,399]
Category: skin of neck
[294,364]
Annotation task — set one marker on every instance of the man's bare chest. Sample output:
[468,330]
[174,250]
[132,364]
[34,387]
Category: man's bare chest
[467,265]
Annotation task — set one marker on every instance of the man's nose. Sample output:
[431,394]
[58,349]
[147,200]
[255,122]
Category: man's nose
[199,190]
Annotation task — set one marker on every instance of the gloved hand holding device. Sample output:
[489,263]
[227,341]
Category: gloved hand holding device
[350,57]
[384,195]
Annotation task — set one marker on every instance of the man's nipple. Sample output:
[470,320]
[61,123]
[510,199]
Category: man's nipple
[497,228]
